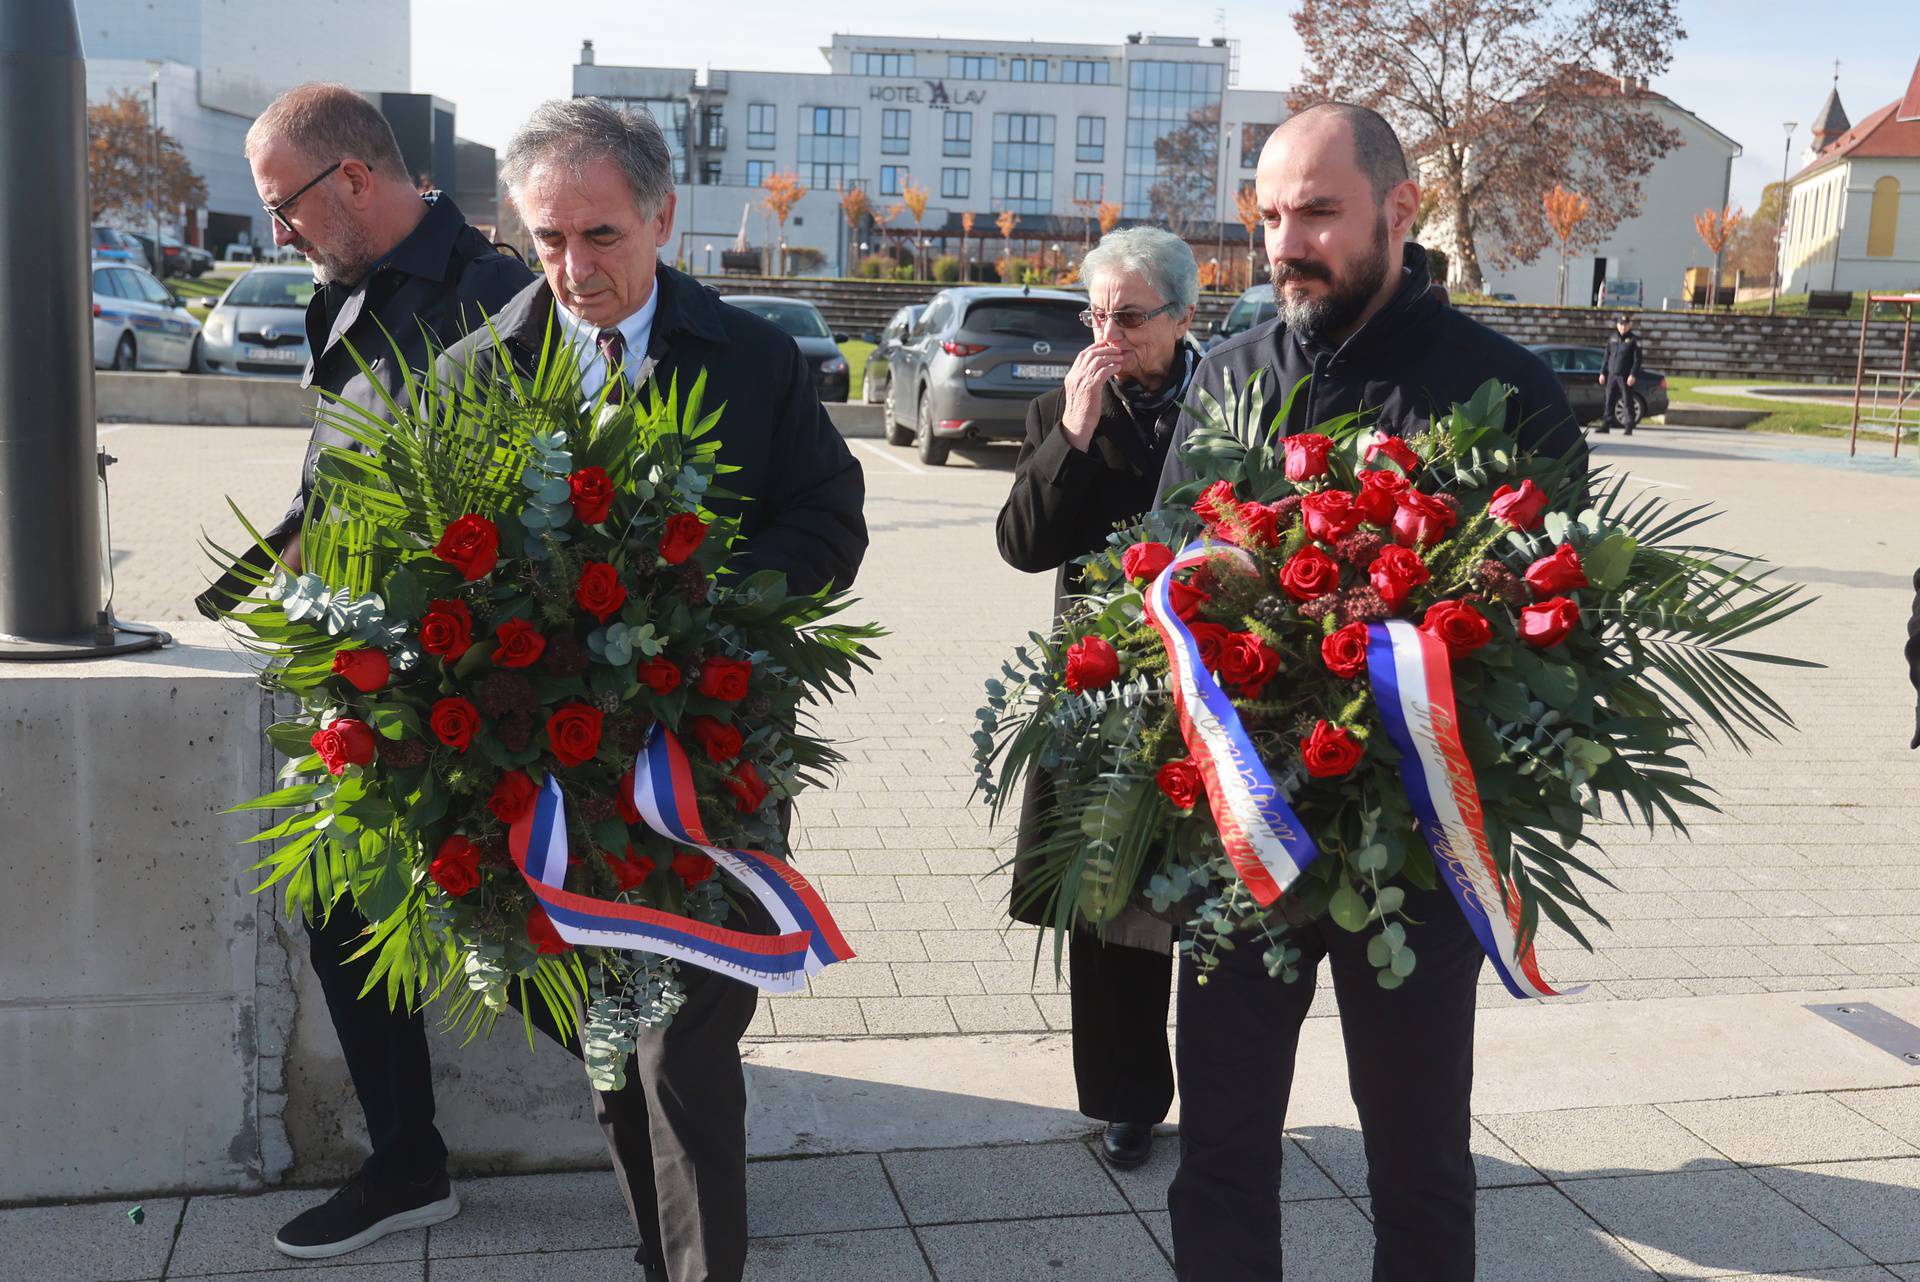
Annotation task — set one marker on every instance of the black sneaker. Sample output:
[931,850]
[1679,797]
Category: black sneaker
[361,1213]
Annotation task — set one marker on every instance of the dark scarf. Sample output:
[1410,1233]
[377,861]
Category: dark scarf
[1155,412]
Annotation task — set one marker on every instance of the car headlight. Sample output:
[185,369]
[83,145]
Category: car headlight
[219,327]
[838,365]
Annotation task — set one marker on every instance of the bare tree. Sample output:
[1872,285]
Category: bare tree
[1186,161]
[1497,98]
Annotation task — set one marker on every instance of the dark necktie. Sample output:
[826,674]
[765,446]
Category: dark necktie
[614,347]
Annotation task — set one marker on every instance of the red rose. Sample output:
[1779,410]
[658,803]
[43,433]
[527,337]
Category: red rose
[748,789]
[447,630]
[542,935]
[1551,574]
[725,679]
[591,492]
[600,591]
[1091,664]
[632,871]
[659,674]
[456,865]
[1549,622]
[1215,502]
[513,796]
[1421,518]
[1180,781]
[1258,526]
[1330,515]
[1311,573]
[1396,572]
[1329,750]
[364,669]
[1186,599]
[720,740]
[1379,497]
[1345,652]
[1519,508]
[1458,624]
[623,798]
[1211,640]
[344,742]
[1249,663]
[470,545]
[573,733]
[1146,560]
[691,868]
[517,644]
[1306,455]
[455,719]
[1395,449]
[683,535]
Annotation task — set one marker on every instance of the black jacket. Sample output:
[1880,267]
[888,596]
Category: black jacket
[800,492]
[1623,356]
[1913,655]
[1407,365]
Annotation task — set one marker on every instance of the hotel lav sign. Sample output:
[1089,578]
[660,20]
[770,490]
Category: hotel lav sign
[936,95]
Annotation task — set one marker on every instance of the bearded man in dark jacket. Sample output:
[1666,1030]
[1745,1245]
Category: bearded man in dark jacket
[1358,321]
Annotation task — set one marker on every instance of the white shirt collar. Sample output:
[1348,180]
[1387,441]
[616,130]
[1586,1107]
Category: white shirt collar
[635,332]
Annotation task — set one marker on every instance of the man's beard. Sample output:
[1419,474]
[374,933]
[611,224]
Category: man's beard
[1345,298]
[348,256]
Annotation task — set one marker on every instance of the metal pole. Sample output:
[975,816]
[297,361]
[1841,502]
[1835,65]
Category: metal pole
[1900,387]
[153,173]
[50,603]
[1859,375]
[1780,221]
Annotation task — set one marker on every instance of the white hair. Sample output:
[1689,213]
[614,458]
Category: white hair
[1157,256]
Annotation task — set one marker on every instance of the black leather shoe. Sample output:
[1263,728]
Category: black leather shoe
[361,1213]
[1127,1144]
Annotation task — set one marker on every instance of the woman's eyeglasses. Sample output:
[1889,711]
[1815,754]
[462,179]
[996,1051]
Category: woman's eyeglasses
[1126,318]
[280,213]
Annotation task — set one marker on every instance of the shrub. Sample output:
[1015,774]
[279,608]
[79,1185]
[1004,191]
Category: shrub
[946,269]
[875,267]
[804,260]
[903,272]
[1012,271]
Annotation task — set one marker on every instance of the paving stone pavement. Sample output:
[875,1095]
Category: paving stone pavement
[1809,880]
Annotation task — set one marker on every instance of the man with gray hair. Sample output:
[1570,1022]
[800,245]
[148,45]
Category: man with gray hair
[396,278]
[594,186]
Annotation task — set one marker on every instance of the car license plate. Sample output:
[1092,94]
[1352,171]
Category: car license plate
[279,355]
[1048,373]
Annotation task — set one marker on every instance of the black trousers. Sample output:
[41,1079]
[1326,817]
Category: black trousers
[1121,1064]
[1409,1066]
[677,1132]
[1617,392]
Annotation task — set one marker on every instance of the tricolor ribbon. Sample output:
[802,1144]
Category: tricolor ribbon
[663,791]
[1413,686]
[1265,841]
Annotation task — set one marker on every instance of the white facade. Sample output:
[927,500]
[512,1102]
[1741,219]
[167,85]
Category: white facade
[221,61]
[971,121]
[1829,244]
[1654,247]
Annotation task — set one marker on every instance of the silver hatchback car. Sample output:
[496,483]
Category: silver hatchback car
[259,325]
[138,323]
[974,360]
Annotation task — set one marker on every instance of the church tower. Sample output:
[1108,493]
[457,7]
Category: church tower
[1830,122]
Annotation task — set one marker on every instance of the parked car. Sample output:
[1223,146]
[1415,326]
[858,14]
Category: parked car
[886,342]
[974,359]
[259,324]
[138,323]
[1578,369]
[818,344]
[175,258]
[112,245]
[1250,309]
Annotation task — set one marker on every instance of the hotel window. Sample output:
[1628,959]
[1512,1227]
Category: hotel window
[956,184]
[1016,68]
[829,153]
[1038,70]
[761,121]
[956,133]
[968,67]
[1091,188]
[896,132]
[1090,139]
[1023,162]
[891,179]
[1080,71]
[758,171]
[883,64]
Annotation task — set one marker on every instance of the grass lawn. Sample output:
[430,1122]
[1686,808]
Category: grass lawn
[1797,420]
[856,353]
[211,285]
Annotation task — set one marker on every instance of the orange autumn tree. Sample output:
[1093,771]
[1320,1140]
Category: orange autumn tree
[966,230]
[1716,227]
[1246,204]
[1109,216]
[783,193]
[915,199]
[1006,221]
[1565,211]
[853,207]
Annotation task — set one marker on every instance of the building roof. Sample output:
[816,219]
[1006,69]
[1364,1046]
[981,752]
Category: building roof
[1893,132]
[1831,121]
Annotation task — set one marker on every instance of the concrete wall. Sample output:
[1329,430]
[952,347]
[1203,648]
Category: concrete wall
[209,400]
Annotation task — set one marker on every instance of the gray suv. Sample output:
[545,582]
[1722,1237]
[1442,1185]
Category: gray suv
[972,362]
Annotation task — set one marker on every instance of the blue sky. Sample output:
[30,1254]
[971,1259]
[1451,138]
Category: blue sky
[1746,66]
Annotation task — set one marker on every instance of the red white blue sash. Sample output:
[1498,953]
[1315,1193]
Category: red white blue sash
[663,791]
[1413,686]
[1265,841]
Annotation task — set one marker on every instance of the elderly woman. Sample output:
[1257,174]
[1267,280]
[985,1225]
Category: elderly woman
[1091,459]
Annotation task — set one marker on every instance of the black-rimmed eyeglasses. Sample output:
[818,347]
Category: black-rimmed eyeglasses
[279,212]
[1126,318]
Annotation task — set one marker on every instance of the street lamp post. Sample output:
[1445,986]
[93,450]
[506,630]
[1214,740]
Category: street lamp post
[153,172]
[709,259]
[1780,220]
